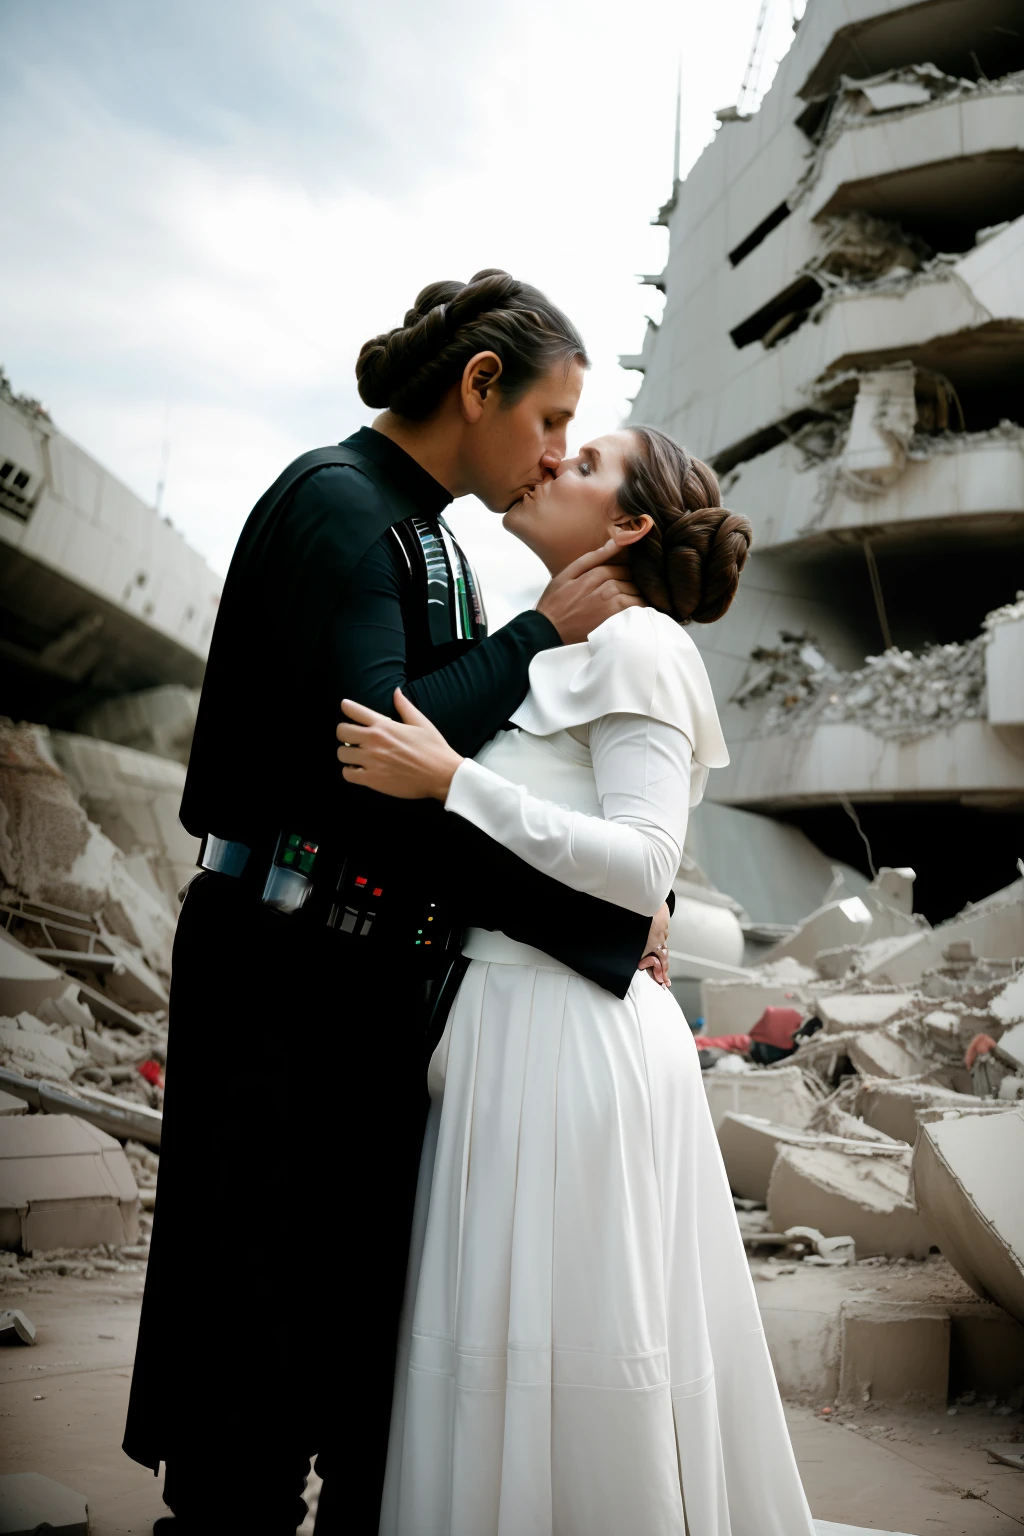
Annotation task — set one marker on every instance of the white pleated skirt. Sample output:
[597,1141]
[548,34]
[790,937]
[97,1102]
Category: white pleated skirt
[581,1352]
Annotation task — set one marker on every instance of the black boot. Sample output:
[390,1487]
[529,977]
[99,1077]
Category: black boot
[266,1499]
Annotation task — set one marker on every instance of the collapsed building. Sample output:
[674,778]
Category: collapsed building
[842,339]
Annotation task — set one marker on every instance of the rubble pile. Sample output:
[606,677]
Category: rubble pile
[896,1119]
[85,952]
[898,695]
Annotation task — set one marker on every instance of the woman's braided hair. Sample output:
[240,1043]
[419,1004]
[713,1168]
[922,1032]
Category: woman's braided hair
[689,564]
[410,369]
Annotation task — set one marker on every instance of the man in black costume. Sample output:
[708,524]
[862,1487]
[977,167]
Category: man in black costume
[310,944]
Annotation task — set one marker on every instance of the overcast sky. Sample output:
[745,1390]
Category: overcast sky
[208,205]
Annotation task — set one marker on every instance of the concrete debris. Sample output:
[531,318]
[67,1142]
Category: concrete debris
[856,247]
[15,1327]
[905,1023]
[133,797]
[51,853]
[1005,1456]
[783,1095]
[64,1185]
[116,1116]
[25,980]
[30,1503]
[822,1250]
[883,1053]
[862,1010]
[837,924]
[893,1107]
[874,455]
[860,1193]
[750,1146]
[967,1188]
[897,695]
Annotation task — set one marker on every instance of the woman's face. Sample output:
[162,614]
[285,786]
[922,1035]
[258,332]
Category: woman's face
[576,511]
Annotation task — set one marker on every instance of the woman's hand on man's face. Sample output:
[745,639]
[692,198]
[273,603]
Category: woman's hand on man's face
[407,758]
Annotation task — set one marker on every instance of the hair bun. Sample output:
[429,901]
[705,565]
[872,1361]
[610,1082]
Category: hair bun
[689,564]
[407,369]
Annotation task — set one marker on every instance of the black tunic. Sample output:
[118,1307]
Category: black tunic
[295,1099]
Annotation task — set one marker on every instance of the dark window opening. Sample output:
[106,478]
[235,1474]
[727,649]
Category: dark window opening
[5,469]
[760,442]
[781,315]
[21,479]
[813,120]
[763,230]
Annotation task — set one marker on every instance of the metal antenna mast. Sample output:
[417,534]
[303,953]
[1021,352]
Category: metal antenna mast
[754,63]
[679,113]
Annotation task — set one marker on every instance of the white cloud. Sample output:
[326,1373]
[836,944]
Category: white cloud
[215,206]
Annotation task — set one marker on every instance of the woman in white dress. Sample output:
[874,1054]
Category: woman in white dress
[581,1352]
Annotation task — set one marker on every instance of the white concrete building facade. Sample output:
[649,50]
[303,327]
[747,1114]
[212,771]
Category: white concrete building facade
[99,595]
[843,340]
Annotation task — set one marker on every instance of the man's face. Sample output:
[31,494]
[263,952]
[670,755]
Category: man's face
[514,449]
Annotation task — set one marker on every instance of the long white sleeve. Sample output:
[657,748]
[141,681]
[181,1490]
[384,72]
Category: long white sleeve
[631,853]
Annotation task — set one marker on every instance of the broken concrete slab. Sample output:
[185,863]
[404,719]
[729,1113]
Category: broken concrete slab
[861,1010]
[784,1095]
[838,923]
[880,1053]
[750,1145]
[893,1107]
[966,1183]
[862,1194]
[15,1327]
[121,1118]
[894,1354]
[30,1503]
[63,1184]
[25,980]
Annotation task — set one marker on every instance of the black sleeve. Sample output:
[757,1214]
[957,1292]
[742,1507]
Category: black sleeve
[469,700]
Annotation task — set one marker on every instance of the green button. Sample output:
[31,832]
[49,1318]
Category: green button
[288,856]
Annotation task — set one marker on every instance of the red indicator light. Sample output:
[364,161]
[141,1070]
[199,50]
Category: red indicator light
[427,943]
[310,847]
[378,890]
[360,879]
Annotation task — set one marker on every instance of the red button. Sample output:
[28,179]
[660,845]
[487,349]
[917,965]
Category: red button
[378,891]
[360,879]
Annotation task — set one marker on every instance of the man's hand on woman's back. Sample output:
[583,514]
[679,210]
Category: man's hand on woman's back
[586,593]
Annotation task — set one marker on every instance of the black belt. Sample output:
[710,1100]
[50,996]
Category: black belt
[348,893]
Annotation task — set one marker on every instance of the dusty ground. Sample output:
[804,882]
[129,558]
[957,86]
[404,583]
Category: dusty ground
[62,1407]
